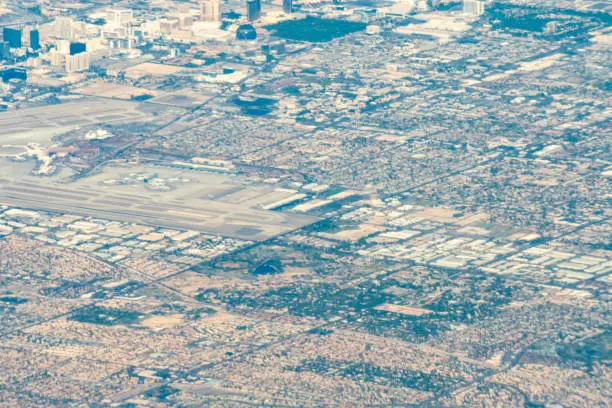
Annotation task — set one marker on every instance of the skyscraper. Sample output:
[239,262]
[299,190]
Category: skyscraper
[78,62]
[473,7]
[63,27]
[34,39]
[253,9]
[288,6]
[77,48]
[5,50]
[185,21]
[120,17]
[210,10]
[12,36]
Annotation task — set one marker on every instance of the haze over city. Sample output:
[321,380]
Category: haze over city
[304,203]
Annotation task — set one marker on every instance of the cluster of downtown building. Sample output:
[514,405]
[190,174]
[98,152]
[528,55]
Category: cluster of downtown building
[73,43]
[65,42]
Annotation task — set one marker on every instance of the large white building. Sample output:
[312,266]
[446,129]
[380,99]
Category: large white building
[78,62]
[119,17]
[474,7]
[210,10]
[63,28]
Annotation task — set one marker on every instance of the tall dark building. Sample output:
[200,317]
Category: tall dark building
[253,9]
[34,39]
[77,48]
[12,36]
[288,6]
[5,50]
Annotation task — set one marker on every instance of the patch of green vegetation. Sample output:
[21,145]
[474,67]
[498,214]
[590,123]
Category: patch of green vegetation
[99,295]
[68,289]
[207,295]
[338,204]
[268,267]
[331,191]
[525,19]
[163,373]
[257,106]
[326,301]
[518,19]
[141,98]
[327,225]
[480,301]
[322,300]
[315,29]
[196,314]
[161,393]
[321,331]
[292,90]
[588,351]
[105,316]
[380,375]
[445,6]
[13,300]
[35,10]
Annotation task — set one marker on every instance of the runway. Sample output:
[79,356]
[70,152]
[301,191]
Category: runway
[208,216]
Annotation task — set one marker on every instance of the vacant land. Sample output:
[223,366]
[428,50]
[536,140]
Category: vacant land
[42,123]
